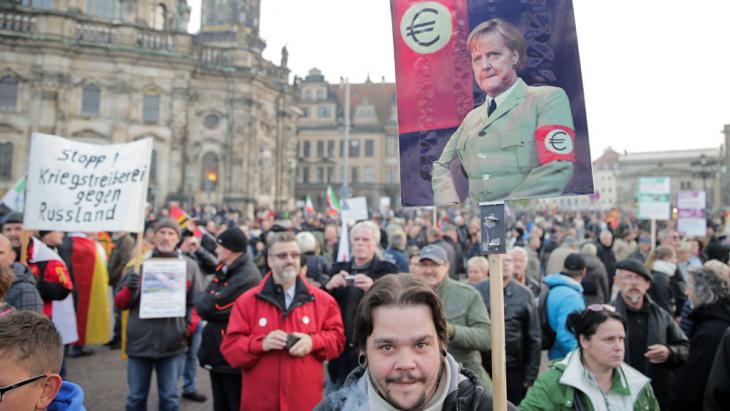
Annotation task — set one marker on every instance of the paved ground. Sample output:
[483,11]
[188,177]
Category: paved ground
[103,377]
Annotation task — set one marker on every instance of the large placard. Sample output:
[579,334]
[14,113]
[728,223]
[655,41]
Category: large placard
[653,197]
[74,186]
[490,101]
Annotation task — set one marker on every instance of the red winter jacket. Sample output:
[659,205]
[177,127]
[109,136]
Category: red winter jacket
[274,380]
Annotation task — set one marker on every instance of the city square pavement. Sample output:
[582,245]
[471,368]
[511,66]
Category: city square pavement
[103,376]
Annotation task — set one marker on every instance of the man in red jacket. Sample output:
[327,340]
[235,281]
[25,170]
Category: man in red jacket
[280,333]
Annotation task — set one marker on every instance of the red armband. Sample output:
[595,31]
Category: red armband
[555,143]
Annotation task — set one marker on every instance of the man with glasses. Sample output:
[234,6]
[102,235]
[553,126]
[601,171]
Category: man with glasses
[654,343]
[281,332]
[30,359]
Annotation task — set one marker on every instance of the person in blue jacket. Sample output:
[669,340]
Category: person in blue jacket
[30,359]
[565,297]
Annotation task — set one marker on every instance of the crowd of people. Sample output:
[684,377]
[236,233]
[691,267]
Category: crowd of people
[281,318]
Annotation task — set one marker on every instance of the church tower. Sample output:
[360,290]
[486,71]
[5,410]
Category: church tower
[232,23]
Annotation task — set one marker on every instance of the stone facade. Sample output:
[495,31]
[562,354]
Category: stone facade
[223,119]
[373,162]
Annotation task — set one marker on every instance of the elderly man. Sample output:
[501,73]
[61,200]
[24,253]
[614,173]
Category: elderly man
[280,333]
[520,259]
[654,343]
[22,294]
[402,334]
[236,274]
[670,237]
[521,329]
[348,282]
[12,228]
[157,343]
[467,318]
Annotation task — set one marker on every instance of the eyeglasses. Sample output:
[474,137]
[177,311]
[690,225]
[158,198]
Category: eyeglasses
[8,388]
[601,307]
[294,255]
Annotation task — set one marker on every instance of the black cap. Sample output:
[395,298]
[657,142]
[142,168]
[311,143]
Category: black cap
[13,218]
[635,266]
[574,262]
[233,239]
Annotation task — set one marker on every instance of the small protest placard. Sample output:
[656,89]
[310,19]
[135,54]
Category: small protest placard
[163,288]
[653,198]
[691,219]
[354,209]
[75,186]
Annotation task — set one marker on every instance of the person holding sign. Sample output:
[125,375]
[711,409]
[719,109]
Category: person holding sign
[280,333]
[159,320]
[520,143]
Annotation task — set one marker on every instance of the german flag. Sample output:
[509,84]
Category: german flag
[179,215]
[91,278]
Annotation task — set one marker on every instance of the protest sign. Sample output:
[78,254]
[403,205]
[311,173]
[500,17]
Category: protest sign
[75,186]
[453,144]
[653,197]
[163,288]
[354,209]
[691,219]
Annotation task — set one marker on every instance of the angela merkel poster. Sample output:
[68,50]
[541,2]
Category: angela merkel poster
[490,101]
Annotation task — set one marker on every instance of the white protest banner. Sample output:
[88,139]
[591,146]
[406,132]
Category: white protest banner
[354,209]
[163,288]
[653,198]
[74,186]
[691,219]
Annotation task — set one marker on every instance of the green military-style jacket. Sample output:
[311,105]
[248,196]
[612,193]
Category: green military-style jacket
[466,312]
[499,153]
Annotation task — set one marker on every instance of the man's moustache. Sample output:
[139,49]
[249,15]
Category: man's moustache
[404,377]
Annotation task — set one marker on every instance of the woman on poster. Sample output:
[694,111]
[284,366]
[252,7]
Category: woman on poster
[520,143]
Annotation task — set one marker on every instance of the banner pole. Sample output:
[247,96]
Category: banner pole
[653,234]
[24,240]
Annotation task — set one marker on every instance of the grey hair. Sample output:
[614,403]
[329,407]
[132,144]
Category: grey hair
[589,249]
[709,286]
[519,250]
[397,239]
[307,242]
[374,229]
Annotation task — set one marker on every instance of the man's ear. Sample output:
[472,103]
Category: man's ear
[51,386]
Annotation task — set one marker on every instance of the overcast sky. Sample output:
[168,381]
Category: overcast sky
[656,73]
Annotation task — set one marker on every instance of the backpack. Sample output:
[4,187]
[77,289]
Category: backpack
[548,334]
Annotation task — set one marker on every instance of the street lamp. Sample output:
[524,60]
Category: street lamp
[212,177]
[704,165]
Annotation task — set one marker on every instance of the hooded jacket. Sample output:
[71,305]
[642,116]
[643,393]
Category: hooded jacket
[23,294]
[711,321]
[661,329]
[565,387]
[215,304]
[465,392]
[69,398]
[565,297]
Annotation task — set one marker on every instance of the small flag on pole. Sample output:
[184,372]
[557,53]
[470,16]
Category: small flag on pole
[308,206]
[333,204]
[179,215]
[15,198]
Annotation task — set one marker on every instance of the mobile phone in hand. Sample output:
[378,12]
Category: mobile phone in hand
[291,339]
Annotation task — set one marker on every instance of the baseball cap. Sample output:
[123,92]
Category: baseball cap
[434,253]
[574,262]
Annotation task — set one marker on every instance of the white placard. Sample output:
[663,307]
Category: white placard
[654,185]
[64,318]
[75,186]
[691,200]
[354,209]
[653,210]
[163,288]
[692,227]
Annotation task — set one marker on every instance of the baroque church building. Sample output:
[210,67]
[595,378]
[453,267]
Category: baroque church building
[223,119]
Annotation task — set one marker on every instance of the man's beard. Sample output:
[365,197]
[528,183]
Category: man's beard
[288,273]
[425,396]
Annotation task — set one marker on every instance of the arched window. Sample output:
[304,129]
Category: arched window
[159,17]
[91,100]
[8,93]
[153,167]
[210,173]
[6,161]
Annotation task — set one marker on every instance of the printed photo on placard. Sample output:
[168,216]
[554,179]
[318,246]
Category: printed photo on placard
[490,101]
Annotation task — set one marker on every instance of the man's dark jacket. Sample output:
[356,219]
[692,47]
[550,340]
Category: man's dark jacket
[347,298]
[711,321]
[214,305]
[717,392]
[521,328]
[595,283]
[662,329]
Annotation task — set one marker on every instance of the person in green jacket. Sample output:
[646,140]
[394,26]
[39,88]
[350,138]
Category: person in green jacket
[468,322]
[593,376]
[521,142]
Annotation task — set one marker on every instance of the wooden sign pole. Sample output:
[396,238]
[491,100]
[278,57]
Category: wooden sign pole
[653,234]
[493,244]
